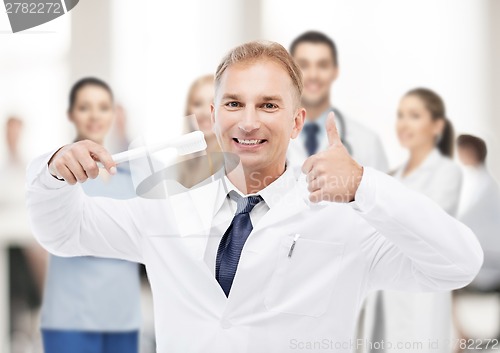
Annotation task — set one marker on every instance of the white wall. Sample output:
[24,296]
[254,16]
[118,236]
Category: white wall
[151,53]
[387,47]
[494,37]
[34,69]
[159,54]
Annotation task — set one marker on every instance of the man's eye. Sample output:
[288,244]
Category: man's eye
[233,104]
[270,106]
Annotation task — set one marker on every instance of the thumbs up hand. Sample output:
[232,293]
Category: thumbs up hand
[332,175]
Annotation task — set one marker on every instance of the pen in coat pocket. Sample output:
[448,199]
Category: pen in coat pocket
[293,244]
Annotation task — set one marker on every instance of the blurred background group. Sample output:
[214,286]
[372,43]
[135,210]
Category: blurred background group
[414,86]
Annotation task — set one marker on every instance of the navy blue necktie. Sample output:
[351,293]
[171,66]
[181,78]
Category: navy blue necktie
[231,244]
[311,130]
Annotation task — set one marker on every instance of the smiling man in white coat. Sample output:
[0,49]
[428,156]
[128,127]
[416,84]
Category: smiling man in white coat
[272,263]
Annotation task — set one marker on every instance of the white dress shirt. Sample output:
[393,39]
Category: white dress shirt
[225,208]
[341,253]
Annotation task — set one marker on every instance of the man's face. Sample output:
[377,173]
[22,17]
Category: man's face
[14,128]
[467,156]
[255,113]
[318,70]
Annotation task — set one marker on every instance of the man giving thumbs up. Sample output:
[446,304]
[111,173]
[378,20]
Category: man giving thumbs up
[332,175]
[244,263]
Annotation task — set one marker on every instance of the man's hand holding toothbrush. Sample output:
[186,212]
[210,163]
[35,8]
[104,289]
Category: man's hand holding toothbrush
[81,160]
[78,161]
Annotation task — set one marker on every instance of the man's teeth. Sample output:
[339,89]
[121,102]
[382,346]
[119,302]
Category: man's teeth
[249,142]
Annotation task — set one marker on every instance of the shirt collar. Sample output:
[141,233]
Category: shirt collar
[272,193]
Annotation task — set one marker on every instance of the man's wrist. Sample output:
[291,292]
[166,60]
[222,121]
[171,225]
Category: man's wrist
[365,195]
[51,168]
[357,181]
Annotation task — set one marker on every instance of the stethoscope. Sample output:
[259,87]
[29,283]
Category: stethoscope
[341,127]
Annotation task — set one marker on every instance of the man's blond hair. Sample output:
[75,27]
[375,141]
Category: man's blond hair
[253,51]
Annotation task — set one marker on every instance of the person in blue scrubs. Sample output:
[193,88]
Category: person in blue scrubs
[92,304]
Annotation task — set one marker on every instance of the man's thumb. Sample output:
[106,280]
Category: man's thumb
[331,130]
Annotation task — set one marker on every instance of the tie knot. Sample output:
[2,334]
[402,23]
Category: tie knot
[246,204]
[311,129]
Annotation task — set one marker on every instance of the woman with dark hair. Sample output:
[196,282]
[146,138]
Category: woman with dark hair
[92,304]
[424,130]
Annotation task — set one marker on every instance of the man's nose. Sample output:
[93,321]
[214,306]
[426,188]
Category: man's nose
[249,121]
[312,73]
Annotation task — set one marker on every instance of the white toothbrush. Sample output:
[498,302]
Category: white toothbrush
[185,144]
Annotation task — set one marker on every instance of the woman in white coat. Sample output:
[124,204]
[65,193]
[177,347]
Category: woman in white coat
[423,320]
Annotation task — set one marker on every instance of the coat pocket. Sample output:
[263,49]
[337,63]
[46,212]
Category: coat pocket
[304,280]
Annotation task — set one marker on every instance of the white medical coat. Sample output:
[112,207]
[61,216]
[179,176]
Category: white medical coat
[277,303]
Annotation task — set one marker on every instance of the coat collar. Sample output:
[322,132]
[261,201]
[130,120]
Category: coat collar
[195,209]
[434,157]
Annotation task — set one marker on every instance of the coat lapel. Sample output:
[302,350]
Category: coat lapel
[293,202]
[194,213]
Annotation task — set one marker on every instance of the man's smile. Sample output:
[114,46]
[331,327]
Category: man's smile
[248,142]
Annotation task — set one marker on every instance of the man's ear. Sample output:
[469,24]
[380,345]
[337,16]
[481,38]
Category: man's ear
[212,113]
[335,74]
[298,122]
